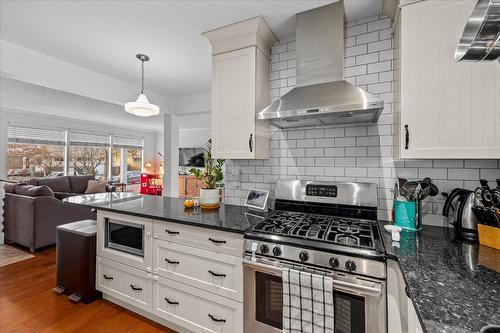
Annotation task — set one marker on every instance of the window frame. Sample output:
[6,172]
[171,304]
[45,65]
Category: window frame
[127,143]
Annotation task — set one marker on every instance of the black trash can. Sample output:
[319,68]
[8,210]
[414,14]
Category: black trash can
[76,261]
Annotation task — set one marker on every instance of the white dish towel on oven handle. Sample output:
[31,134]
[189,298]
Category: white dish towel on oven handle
[307,302]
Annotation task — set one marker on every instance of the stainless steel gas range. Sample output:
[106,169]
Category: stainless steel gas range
[324,228]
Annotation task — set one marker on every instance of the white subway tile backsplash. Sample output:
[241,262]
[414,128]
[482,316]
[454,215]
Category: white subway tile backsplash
[482,164]
[355,172]
[380,24]
[350,152]
[356,30]
[463,174]
[355,50]
[490,174]
[366,58]
[345,142]
[305,143]
[350,41]
[356,151]
[381,66]
[334,151]
[367,38]
[380,45]
[334,132]
[354,71]
[433,173]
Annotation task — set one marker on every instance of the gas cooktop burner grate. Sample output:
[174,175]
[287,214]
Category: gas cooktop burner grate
[321,228]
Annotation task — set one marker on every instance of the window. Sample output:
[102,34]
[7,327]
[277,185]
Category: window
[131,156]
[116,165]
[36,152]
[89,154]
[33,152]
[134,165]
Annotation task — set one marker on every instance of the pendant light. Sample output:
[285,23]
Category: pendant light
[141,107]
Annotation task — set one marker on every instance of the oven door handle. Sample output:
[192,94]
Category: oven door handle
[273,270]
[375,290]
[354,288]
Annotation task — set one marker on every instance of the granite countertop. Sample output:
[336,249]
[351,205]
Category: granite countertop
[227,218]
[454,285]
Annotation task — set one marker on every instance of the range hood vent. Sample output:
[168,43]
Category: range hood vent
[480,40]
[322,96]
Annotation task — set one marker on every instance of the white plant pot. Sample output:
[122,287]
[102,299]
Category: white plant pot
[209,197]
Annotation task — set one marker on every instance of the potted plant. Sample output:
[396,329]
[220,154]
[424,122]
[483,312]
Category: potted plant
[209,195]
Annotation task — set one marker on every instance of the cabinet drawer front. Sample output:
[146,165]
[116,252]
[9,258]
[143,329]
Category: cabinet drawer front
[214,272]
[212,240]
[196,309]
[125,283]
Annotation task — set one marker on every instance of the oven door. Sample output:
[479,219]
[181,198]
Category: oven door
[124,236]
[359,303]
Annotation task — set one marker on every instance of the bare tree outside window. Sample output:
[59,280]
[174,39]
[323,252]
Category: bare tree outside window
[32,160]
[89,160]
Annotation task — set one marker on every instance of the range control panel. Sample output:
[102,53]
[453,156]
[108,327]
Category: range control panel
[329,191]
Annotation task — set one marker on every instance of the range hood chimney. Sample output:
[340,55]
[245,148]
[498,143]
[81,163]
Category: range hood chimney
[322,96]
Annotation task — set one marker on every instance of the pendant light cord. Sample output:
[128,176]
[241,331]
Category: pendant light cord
[142,83]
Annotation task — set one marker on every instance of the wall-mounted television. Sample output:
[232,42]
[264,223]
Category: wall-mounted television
[191,157]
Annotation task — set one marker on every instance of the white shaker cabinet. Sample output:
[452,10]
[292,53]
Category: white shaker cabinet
[240,89]
[443,109]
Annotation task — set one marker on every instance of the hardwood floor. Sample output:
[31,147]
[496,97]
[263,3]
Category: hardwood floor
[28,304]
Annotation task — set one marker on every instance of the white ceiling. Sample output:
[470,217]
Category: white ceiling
[104,36]
[21,96]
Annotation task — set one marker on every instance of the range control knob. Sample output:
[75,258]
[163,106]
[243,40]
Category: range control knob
[334,262]
[277,251]
[264,248]
[303,256]
[350,265]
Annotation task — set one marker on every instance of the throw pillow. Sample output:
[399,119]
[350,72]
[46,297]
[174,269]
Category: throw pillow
[34,191]
[95,186]
[11,188]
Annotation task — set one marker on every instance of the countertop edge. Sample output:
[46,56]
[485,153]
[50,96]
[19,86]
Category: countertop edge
[165,219]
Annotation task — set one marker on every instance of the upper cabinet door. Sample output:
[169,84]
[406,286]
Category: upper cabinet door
[233,103]
[448,109]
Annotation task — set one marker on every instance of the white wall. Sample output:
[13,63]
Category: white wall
[194,138]
[353,152]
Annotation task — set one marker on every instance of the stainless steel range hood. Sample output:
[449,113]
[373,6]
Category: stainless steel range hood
[322,96]
[480,40]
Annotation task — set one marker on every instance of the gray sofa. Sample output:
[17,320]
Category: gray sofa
[31,220]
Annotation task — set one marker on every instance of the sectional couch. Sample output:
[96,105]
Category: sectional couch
[31,218]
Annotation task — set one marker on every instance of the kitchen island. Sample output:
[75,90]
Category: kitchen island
[179,267]
[454,285]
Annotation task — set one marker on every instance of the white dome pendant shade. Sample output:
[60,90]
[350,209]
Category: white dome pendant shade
[141,107]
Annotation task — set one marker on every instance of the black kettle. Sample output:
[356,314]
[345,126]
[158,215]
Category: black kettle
[458,209]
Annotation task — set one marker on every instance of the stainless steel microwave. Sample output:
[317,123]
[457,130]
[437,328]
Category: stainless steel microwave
[124,236]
